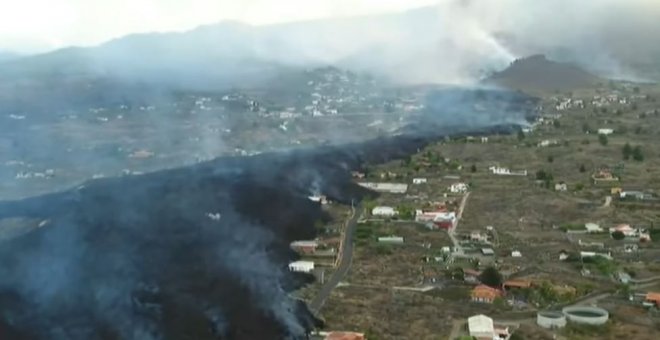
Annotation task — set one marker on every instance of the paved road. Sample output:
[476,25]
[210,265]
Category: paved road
[346,256]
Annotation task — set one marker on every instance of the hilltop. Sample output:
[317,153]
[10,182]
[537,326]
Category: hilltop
[538,74]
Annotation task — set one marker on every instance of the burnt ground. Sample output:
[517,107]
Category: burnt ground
[139,257]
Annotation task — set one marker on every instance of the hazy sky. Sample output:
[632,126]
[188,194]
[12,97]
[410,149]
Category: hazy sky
[38,25]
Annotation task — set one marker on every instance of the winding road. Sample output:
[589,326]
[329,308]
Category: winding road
[345,258]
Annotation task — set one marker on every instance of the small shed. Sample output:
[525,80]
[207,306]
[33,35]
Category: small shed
[487,251]
[391,239]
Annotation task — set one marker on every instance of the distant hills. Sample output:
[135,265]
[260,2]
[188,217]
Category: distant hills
[424,45]
[537,73]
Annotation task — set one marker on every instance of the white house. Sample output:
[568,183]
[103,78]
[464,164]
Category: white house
[516,253]
[593,228]
[384,211]
[481,327]
[562,187]
[605,131]
[301,266]
[419,180]
[547,142]
[458,188]
[587,254]
[499,170]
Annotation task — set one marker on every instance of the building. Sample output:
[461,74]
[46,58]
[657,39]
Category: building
[626,229]
[481,327]
[301,266]
[561,186]
[344,336]
[497,170]
[605,131]
[319,199]
[604,175]
[419,180]
[652,300]
[391,239]
[392,188]
[487,251]
[441,218]
[548,142]
[563,255]
[516,253]
[517,284]
[624,277]
[476,236]
[588,254]
[305,247]
[384,211]
[471,276]
[357,174]
[593,228]
[458,188]
[635,195]
[485,294]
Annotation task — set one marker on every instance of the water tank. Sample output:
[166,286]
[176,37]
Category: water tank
[551,319]
[586,315]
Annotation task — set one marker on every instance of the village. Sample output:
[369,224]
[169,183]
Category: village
[548,234]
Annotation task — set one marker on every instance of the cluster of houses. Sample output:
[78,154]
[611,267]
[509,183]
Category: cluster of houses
[498,170]
[50,173]
[626,229]
[569,103]
[601,101]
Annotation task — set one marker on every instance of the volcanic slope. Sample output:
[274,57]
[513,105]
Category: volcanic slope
[536,74]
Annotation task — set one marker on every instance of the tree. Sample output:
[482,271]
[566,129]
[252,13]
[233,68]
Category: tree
[627,151]
[473,168]
[556,123]
[551,159]
[542,175]
[499,302]
[491,277]
[618,235]
[406,161]
[521,135]
[586,128]
[637,154]
[406,212]
[602,139]
[583,168]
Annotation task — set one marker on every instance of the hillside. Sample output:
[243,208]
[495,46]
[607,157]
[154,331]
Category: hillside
[538,74]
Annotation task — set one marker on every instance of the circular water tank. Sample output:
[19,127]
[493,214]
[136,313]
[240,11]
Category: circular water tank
[586,315]
[551,319]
